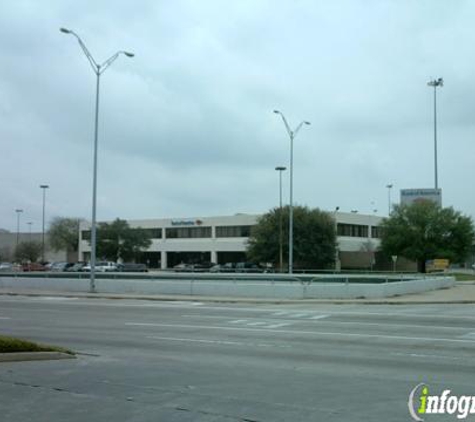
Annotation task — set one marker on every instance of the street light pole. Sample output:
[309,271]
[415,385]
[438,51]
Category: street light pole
[389,186]
[435,83]
[98,70]
[18,212]
[370,236]
[280,169]
[337,254]
[29,225]
[292,135]
[44,187]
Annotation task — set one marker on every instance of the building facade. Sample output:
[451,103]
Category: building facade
[223,239]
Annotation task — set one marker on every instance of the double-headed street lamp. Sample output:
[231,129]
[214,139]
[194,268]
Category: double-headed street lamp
[280,169]
[44,187]
[292,135]
[435,83]
[98,70]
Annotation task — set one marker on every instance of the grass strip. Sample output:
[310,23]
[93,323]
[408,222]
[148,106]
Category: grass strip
[463,276]
[15,345]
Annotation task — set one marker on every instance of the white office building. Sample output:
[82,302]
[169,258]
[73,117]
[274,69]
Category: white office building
[223,239]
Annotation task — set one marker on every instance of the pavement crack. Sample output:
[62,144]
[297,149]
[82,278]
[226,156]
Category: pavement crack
[44,387]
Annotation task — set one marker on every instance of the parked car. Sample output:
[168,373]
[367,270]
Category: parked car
[248,267]
[180,268]
[229,267]
[77,267]
[61,266]
[102,266]
[132,268]
[33,266]
[6,266]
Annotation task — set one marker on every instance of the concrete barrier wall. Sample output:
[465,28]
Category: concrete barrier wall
[230,288]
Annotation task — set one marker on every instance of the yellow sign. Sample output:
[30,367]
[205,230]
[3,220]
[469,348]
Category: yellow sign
[437,265]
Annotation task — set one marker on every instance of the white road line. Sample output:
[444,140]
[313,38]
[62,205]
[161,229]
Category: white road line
[332,322]
[423,356]
[220,342]
[257,323]
[301,315]
[4,317]
[314,333]
[469,336]
[238,321]
[192,340]
[275,311]
[284,324]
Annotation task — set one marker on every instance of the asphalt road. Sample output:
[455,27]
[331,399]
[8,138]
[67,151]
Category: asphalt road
[185,361]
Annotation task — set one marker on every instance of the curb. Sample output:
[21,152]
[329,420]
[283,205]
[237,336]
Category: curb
[210,299]
[34,356]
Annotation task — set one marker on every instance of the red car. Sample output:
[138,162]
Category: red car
[33,266]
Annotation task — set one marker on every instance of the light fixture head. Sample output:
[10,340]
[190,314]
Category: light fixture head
[128,54]
[436,82]
[277,112]
[44,186]
[281,168]
[307,123]
[65,31]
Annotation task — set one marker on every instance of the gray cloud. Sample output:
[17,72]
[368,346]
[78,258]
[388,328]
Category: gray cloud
[186,126]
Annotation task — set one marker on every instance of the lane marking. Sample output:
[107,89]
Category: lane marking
[315,333]
[299,315]
[4,317]
[237,321]
[266,324]
[330,322]
[220,342]
[469,335]
[423,356]
[187,305]
[284,324]
[192,340]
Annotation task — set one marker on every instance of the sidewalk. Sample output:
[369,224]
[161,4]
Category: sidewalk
[462,293]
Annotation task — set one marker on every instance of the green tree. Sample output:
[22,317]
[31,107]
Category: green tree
[117,240]
[314,238]
[424,231]
[63,234]
[28,251]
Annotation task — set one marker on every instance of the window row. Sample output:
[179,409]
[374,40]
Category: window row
[357,230]
[349,230]
[189,232]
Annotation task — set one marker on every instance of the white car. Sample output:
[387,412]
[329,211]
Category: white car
[6,266]
[102,266]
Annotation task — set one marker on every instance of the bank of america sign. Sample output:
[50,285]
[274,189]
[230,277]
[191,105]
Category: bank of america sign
[409,196]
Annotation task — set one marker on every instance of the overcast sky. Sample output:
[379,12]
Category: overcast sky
[187,128]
